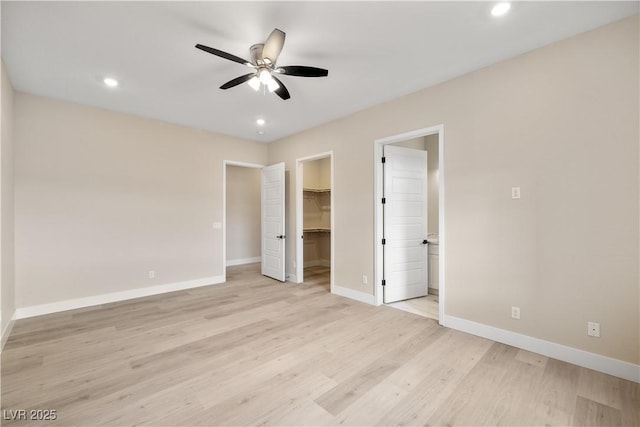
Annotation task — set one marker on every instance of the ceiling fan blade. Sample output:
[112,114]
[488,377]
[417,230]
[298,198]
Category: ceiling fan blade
[273,46]
[237,81]
[224,55]
[282,91]
[302,71]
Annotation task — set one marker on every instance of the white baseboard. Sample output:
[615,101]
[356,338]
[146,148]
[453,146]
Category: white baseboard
[7,331]
[242,261]
[353,294]
[54,307]
[597,362]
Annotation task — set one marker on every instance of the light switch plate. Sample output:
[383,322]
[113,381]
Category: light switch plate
[515,192]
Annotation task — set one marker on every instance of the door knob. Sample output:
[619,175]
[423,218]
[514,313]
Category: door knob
[281,236]
[425,241]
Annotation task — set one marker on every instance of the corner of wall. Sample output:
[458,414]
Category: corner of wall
[6,331]
[7,276]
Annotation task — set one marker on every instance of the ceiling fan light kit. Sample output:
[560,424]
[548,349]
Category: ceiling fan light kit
[263,61]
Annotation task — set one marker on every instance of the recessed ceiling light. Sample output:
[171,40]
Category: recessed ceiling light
[260,122]
[260,132]
[110,82]
[501,8]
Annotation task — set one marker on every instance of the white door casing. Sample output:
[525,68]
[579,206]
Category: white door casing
[273,227]
[405,223]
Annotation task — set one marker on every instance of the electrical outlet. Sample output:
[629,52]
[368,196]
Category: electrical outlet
[364,279]
[152,274]
[593,329]
[515,312]
[515,192]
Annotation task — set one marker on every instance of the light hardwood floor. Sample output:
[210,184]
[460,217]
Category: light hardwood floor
[318,276]
[255,351]
[423,306]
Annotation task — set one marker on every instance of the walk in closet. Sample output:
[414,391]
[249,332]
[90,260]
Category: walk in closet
[317,213]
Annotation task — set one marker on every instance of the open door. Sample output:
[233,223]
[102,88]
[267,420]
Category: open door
[273,234]
[405,223]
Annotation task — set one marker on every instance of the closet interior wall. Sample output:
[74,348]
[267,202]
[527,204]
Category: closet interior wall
[317,213]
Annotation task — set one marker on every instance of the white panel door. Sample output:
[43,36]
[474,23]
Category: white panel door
[273,236]
[405,223]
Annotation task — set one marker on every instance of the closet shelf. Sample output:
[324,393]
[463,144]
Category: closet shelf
[317,190]
[317,230]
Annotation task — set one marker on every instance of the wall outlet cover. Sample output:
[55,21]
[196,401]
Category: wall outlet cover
[515,312]
[593,329]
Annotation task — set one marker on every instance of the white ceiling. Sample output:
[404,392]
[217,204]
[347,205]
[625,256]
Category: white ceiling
[375,51]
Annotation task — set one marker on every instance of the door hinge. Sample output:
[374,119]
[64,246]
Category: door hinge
[384,159]
[384,200]
[384,282]
[384,241]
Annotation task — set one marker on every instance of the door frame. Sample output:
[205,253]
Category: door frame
[226,163]
[299,268]
[378,213]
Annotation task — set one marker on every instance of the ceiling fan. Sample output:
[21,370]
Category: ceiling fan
[263,61]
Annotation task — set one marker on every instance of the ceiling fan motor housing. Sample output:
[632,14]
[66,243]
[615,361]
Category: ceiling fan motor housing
[256,54]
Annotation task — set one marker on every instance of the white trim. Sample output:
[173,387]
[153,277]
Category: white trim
[290,277]
[353,294]
[299,222]
[300,264]
[71,304]
[7,331]
[442,241]
[226,163]
[377,209]
[597,362]
[242,261]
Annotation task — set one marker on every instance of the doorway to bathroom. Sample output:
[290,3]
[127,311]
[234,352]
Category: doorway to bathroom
[254,217]
[409,222]
[314,220]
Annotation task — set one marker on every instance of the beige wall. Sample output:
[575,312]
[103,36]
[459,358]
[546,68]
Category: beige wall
[7,278]
[562,123]
[103,197]
[324,169]
[431,146]
[243,213]
[310,174]
[317,173]
[317,249]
